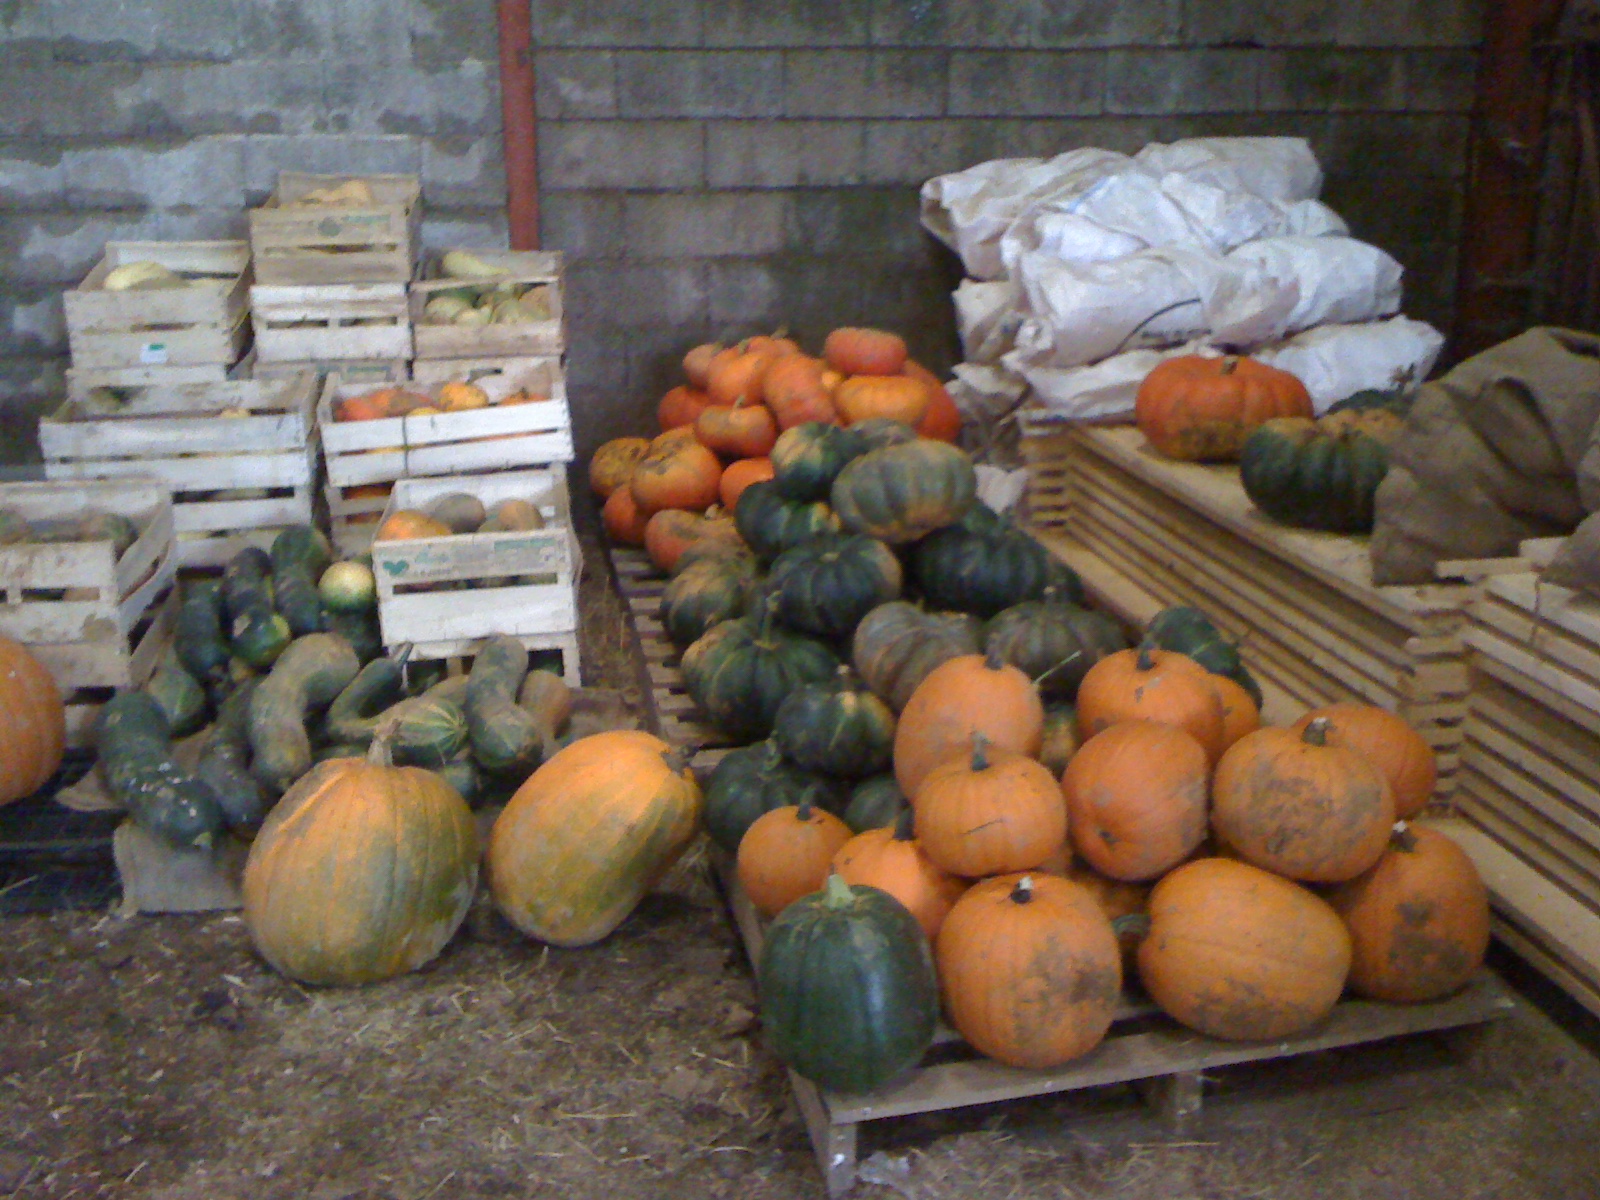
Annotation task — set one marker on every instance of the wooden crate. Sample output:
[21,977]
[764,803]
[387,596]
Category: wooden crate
[443,595]
[320,322]
[164,327]
[80,380]
[469,370]
[540,269]
[241,458]
[495,438]
[351,370]
[354,513]
[98,621]
[306,244]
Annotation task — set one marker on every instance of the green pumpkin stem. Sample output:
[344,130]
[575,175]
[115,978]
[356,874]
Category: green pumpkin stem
[980,755]
[993,661]
[1022,893]
[1316,733]
[378,752]
[803,809]
[836,892]
[1145,661]
[905,827]
[1403,839]
[1131,924]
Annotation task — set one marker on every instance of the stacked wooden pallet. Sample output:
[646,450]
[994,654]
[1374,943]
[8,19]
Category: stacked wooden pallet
[1302,604]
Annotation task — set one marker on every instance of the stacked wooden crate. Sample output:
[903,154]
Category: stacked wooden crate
[1302,604]
[159,335]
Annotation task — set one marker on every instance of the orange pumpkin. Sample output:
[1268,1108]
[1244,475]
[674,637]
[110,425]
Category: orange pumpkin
[1239,712]
[786,853]
[668,533]
[942,421]
[891,860]
[680,406]
[898,397]
[795,389]
[672,439]
[1136,799]
[735,373]
[965,695]
[697,363]
[1117,899]
[1390,744]
[459,396]
[1029,970]
[1292,803]
[368,406]
[612,464]
[405,524]
[989,811]
[737,476]
[855,351]
[1147,684]
[33,723]
[1202,409]
[1418,920]
[684,476]
[624,520]
[743,429]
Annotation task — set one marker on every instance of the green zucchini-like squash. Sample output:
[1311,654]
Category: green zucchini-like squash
[836,727]
[462,773]
[848,994]
[182,699]
[741,670]
[361,630]
[353,716]
[711,591]
[875,803]
[1053,641]
[348,587]
[808,458]
[1188,631]
[898,644]
[224,764]
[256,631]
[134,745]
[771,524]
[756,779]
[826,585]
[202,648]
[425,731]
[299,556]
[306,678]
[983,572]
[904,492]
[1320,474]
[505,736]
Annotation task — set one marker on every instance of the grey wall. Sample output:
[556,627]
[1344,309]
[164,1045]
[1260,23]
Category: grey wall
[711,166]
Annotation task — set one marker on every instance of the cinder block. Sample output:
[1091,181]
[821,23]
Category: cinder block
[1065,24]
[699,83]
[366,30]
[32,175]
[373,154]
[458,101]
[743,296]
[31,386]
[1180,81]
[478,228]
[1441,80]
[780,154]
[1410,23]
[621,154]
[239,97]
[655,363]
[864,83]
[31,321]
[463,171]
[447,31]
[576,83]
[201,224]
[807,295]
[992,83]
[615,23]
[1331,80]
[60,247]
[146,31]
[1389,209]
[26,38]
[1048,138]
[597,389]
[1429,143]
[788,22]
[704,224]
[952,23]
[205,172]
[868,222]
[912,151]
[632,295]
[1262,22]
[582,224]
[66,100]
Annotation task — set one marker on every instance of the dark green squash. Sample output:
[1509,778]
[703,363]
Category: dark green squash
[1053,641]
[875,803]
[1190,632]
[897,644]
[134,744]
[756,779]
[182,699]
[198,636]
[984,572]
[877,432]
[505,737]
[361,630]
[848,994]
[224,764]
[903,492]
[836,727]
[299,555]
[771,524]
[741,670]
[352,718]
[808,458]
[462,773]
[306,678]
[1323,474]
[826,585]
[257,633]
[713,590]
[425,731]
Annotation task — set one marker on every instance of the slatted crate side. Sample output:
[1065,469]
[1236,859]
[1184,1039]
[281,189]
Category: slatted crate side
[330,321]
[373,371]
[88,672]
[218,275]
[538,269]
[81,380]
[313,244]
[353,515]
[1046,452]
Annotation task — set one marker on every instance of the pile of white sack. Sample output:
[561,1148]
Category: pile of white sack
[1087,269]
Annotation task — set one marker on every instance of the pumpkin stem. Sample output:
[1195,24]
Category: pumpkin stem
[1054,667]
[1402,838]
[980,757]
[1316,733]
[802,811]
[836,892]
[378,753]
[1136,924]
[905,826]
[677,758]
[1145,660]
[1023,892]
[1230,363]
[993,661]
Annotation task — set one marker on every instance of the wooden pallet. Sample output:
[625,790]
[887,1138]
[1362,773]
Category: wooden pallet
[315,244]
[539,270]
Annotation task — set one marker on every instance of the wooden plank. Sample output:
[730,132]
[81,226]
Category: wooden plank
[1567,746]
[1483,738]
[1577,700]
[1574,612]
[217,274]
[1531,840]
[1540,638]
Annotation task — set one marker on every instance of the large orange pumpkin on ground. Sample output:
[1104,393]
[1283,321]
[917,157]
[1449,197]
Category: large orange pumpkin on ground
[1390,744]
[1202,409]
[33,725]
[963,696]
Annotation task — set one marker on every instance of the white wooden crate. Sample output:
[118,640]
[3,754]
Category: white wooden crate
[241,458]
[417,608]
[97,621]
[352,370]
[295,323]
[540,269]
[315,244]
[353,515]
[81,379]
[161,327]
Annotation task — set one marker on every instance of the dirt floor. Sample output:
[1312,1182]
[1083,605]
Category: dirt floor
[159,1059]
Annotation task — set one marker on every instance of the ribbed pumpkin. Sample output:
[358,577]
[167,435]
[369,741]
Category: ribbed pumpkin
[1136,799]
[869,397]
[680,406]
[771,524]
[588,834]
[735,372]
[1201,409]
[743,429]
[897,644]
[942,421]
[827,584]
[1029,970]
[901,493]
[1146,684]
[740,671]
[697,363]
[1053,641]
[1240,953]
[786,854]
[836,727]
[795,389]
[1389,743]
[983,572]
[33,724]
[875,803]
[890,860]
[623,519]
[1191,633]
[855,350]
[1418,920]
[361,872]
[737,476]
[755,779]
[611,465]
[699,597]
[1289,802]
[709,548]
[848,996]
[668,533]
[969,695]
[680,476]
[807,459]
[989,811]
[1320,474]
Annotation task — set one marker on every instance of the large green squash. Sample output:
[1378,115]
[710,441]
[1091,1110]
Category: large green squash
[902,492]
[771,524]
[305,679]
[1188,631]
[753,780]
[898,644]
[837,727]
[808,458]
[711,591]
[848,995]
[875,803]
[740,671]
[1053,641]
[826,585]
[982,572]
[1320,474]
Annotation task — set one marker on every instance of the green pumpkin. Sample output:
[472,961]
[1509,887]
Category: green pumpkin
[1053,642]
[984,572]
[771,524]
[875,803]
[898,644]
[1188,631]
[741,670]
[826,585]
[877,432]
[1395,400]
[711,591]
[837,727]
[1320,474]
[848,994]
[807,458]
[753,780]
[424,731]
[714,549]
[903,492]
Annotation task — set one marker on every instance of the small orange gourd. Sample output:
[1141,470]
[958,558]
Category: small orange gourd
[1390,744]
[33,725]
[787,853]
[989,811]
[1150,684]
[406,524]
[891,860]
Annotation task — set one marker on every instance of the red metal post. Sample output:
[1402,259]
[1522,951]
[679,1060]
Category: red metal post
[519,122]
